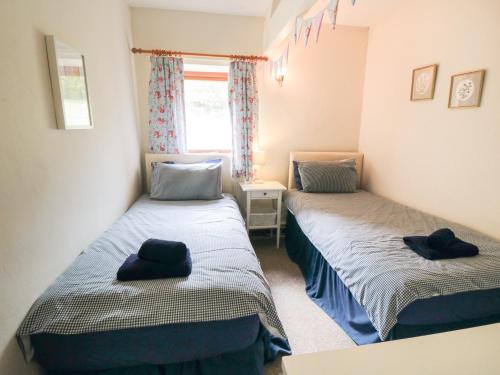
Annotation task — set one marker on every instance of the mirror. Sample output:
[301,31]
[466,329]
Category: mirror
[69,85]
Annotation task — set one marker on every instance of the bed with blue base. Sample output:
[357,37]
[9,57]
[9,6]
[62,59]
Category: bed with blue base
[358,270]
[221,319]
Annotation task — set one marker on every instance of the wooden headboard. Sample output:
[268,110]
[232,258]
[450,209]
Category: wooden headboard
[323,156]
[227,182]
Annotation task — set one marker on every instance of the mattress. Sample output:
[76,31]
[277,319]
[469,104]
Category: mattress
[360,236]
[226,283]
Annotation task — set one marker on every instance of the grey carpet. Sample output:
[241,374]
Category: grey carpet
[308,328]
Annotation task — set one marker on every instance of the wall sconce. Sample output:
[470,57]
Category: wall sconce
[279,75]
[279,78]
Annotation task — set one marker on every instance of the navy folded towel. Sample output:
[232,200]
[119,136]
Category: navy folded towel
[441,238]
[442,244]
[135,268]
[163,251]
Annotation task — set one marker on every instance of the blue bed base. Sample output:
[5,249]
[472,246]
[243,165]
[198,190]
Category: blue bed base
[433,315]
[176,349]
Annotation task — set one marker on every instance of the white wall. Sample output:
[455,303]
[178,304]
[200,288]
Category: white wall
[318,108]
[59,189]
[190,32]
[443,161]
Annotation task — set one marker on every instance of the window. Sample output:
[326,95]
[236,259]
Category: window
[208,125]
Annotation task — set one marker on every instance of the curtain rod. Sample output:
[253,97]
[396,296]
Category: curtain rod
[164,52]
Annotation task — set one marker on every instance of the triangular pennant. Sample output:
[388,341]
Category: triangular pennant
[276,68]
[307,29]
[297,29]
[317,20]
[285,54]
[332,8]
[283,61]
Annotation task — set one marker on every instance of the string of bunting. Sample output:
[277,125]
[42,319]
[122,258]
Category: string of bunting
[304,26]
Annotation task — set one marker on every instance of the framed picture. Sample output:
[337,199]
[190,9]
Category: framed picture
[423,83]
[466,89]
[69,85]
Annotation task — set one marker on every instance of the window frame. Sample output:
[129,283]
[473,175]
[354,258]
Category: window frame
[206,76]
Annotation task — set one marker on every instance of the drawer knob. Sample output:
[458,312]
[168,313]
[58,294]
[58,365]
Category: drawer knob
[265,193]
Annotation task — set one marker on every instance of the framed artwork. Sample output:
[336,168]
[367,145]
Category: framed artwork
[466,89]
[423,83]
[69,85]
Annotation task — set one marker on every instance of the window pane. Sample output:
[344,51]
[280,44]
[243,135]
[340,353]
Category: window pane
[207,115]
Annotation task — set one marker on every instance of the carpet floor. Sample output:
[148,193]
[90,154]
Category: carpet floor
[308,328]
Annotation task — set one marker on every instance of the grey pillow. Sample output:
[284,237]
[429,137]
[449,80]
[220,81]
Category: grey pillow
[197,181]
[328,176]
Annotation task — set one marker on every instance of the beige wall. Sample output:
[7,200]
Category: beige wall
[443,161]
[59,189]
[191,32]
[318,108]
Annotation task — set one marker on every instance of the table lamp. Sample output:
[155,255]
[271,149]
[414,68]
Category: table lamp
[259,159]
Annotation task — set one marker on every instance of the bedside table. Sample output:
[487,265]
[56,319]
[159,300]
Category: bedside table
[264,215]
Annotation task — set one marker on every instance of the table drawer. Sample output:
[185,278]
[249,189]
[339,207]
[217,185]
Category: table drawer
[269,194]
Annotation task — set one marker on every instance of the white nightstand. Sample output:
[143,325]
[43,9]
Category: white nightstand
[262,213]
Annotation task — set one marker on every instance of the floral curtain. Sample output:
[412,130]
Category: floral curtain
[243,107]
[166,106]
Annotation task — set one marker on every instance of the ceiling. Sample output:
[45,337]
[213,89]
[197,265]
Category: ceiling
[233,7]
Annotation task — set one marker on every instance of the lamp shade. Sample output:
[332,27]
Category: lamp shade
[259,157]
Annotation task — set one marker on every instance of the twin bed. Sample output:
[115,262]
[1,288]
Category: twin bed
[219,320]
[359,271]
[222,319]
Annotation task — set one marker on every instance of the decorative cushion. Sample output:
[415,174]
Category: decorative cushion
[296,175]
[197,181]
[328,176]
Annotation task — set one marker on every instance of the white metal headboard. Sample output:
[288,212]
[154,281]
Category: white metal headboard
[227,182]
[322,156]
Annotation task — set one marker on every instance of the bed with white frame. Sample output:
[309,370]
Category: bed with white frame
[219,317]
[359,271]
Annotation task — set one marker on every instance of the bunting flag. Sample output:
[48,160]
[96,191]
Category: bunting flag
[284,60]
[297,29]
[285,54]
[331,9]
[353,2]
[307,29]
[317,20]
[276,68]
